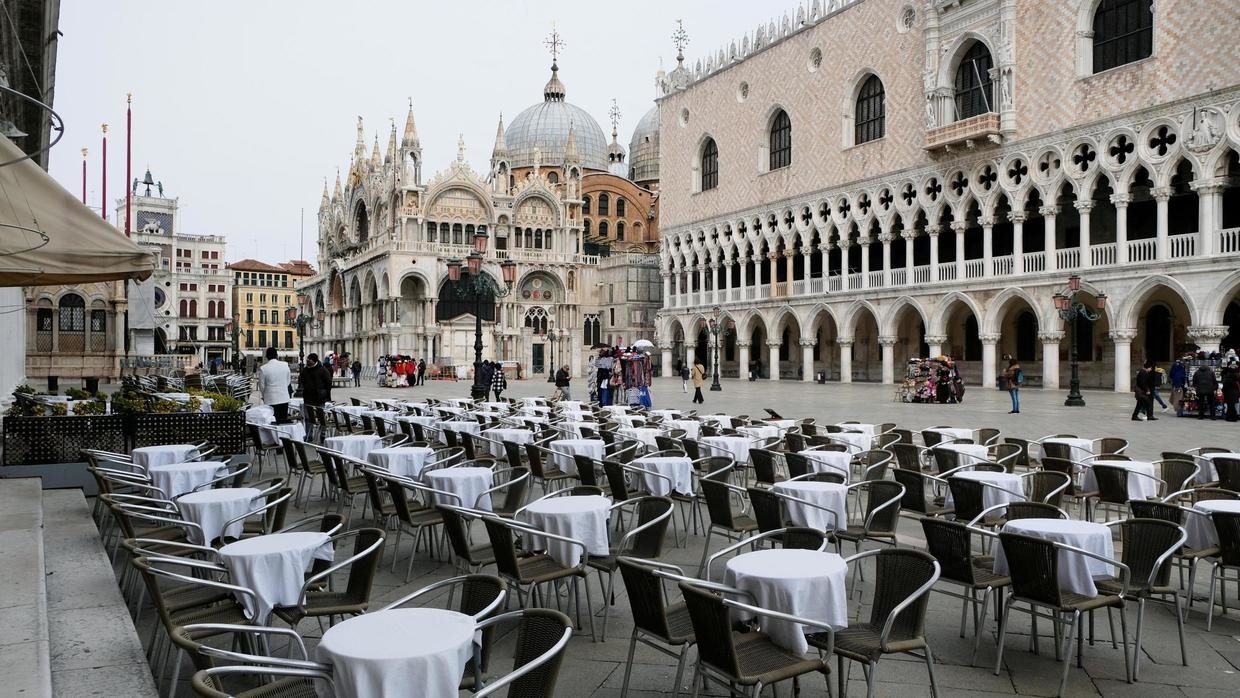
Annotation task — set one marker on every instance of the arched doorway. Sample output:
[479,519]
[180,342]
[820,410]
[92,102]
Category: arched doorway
[1026,336]
[1159,334]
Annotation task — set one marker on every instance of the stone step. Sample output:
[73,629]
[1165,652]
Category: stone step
[93,645]
[25,664]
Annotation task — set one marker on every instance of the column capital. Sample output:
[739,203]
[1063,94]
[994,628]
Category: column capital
[807,342]
[990,338]
[986,221]
[1121,200]
[845,243]
[790,253]
[744,345]
[886,238]
[1206,186]
[934,230]
[1048,211]
[1208,332]
[1017,216]
[1162,193]
[936,339]
[774,346]
[1122,335]
[887,340]
[1052,337]
[909,234]
[959,227]
[844,341]
[1083,206]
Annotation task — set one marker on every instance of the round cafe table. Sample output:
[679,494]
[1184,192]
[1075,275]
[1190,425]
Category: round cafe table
[466,483]
[355,446]
[1139,486]
[147,456]
[804,583]
[855,440]
[860,428]
[952,433]
[458,426]
[175,479]
[1012,488]
[692,427]
[270,433]
[829,461]
[388,653]
[1076,572]
[763,431]
[969,454]
[735,446]
[565,449]
[211,509]
[406,461]
[583,518]
[1200,529]
[678,469]
[262,414]
[274,567]
[498,436]
[722,420]
[1207,472]
[643,434]
[1080,449]
[827,495]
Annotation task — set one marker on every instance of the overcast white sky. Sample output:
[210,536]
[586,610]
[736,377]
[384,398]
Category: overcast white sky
[242,108]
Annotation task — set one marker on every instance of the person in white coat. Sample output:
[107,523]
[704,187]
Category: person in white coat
[274,380]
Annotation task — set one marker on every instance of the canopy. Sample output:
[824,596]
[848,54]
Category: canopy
[48,237]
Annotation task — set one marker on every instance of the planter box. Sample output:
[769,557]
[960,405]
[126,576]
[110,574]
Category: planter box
[42,440]
[224,429]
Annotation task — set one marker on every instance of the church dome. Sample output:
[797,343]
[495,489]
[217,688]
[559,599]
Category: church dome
[644,148]
[545,126]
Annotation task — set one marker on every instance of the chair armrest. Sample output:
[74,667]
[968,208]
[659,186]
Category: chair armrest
[777,615]
[895,612]
[291,634]
[1126,572]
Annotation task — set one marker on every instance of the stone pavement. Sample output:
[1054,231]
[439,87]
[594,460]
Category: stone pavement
[597,669]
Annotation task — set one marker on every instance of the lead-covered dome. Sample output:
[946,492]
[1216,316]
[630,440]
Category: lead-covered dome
[644,148]
[545,127]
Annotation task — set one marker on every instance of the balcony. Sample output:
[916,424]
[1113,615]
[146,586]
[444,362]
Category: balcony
[983,127]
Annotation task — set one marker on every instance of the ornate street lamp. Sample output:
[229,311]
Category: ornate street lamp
[1069,310]
[553,335]
[716,328]
[293,317]
[480,285]
[232,328]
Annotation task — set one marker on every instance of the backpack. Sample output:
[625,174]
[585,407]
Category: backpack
[1018,378]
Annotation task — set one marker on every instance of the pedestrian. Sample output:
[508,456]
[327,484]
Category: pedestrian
[684,378]
[1205,383]
[1231,389]
[357,373]
[1157,378]
[699,379]
[499,382]
[561,383]
[274,381]
[421,374]
[488,373]
[1179,378]
[1014,377]
[316,391]
[1142,392]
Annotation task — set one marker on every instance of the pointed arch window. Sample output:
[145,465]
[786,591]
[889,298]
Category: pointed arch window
[871,115]
[781,140]
[604,204]
[1123,32]
[710,165]
[975,92]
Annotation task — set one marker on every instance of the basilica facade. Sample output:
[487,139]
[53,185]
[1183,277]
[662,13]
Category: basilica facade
[871,181]
[558,200]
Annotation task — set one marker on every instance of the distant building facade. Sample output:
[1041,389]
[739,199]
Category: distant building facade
[261,296]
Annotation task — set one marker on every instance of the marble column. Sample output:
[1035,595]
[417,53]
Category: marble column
[909,236]
[729,281]
[1048,232]
[716,297]
[807,359]
[742,357]
[1122,338]
[845,344]
[667,289]
[989,342]
[958,227]
[934,344]
[744,277]
[772,352]
[933,232]
[1162,195]
[888,343]
[1018,241]
[690,351]
[865,261]
[1083,208]
[1121,201]
[1050,358]
[788,264]
[988,249]
[1209,197]
[886,239]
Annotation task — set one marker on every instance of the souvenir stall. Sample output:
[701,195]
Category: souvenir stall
[1192,362]
[930,380]
[636,373]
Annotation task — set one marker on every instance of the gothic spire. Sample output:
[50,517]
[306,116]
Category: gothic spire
[375,160]
[359,149]
[410,139]
[500,145]
[391,146]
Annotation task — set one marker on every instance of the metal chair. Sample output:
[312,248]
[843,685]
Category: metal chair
[362,564]
[645,541]
[542,635]
[951,543]
[657,623]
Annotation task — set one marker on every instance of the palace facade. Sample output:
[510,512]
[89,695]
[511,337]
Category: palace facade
[870,181]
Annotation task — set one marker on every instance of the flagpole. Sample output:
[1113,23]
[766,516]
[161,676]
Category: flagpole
[84,176]
[128,163]
[103,209]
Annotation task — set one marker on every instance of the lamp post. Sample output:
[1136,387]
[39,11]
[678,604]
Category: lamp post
[233,329]
[552,336]
[1069,310]
[479,285]
[716,328]
[293,317]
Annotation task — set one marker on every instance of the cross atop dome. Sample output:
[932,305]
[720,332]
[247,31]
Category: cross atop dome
[614,113]
[555,44]
[680,38]
[554,90]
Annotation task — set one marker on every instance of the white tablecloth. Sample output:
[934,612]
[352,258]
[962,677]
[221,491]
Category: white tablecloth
[678,468]
[271,433]
[628,420]
[856,441]
[1081,449]
[352,410]
[1076,572]
[665,414]
[804,583]
[832,497]
[449,410]
[470,427]
[565,449]
[385,415]
[583,518]
[954,432]
[572,429]
[424,420]
[388,653]
[499,436]
[353,445]
[1012,485]
[1200,529]
[211,509]
[760,432]
[175,479]
[405,461]
[829,461]
[1208,473]
[643,434]
[262,414]
[496,406]
[693,428]
[1138,487]
[867,429]
[147,456]
[466,483]
[274,567]
[722,420]
[735,446]
[539,410]
[971,454]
